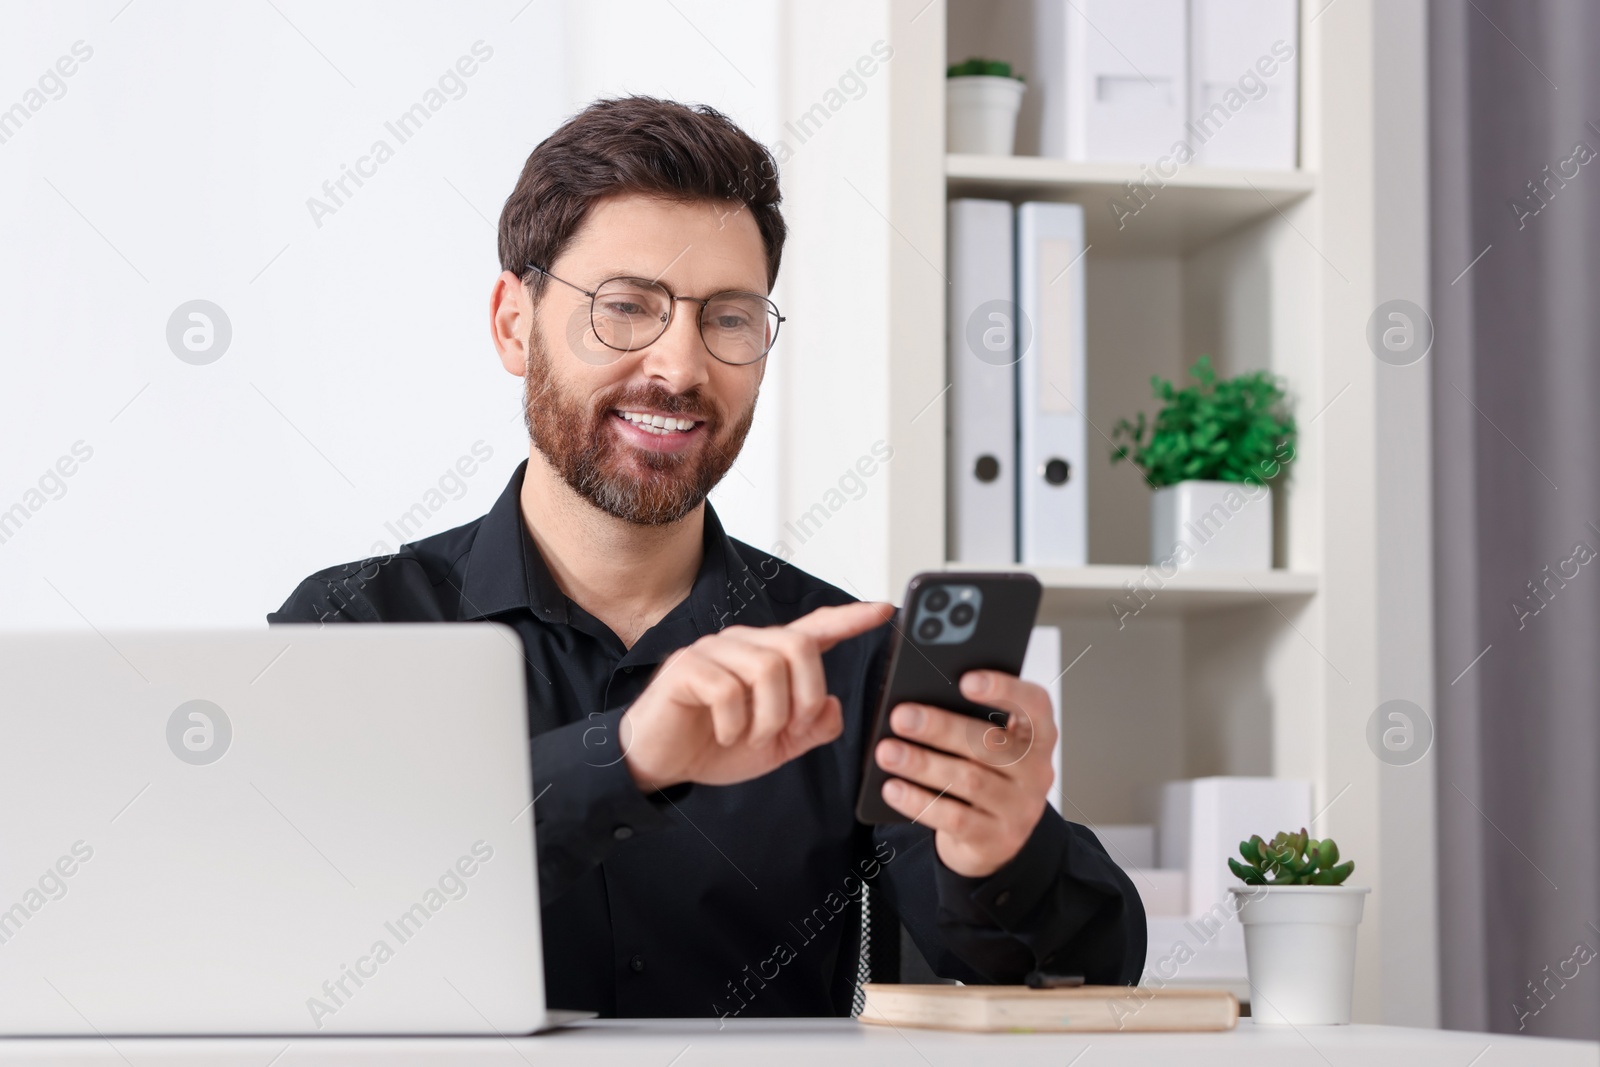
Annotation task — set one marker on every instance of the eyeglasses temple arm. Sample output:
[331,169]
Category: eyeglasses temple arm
[563,281]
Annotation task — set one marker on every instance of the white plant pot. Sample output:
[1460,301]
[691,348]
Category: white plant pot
[981,114]
[1211,526]
[1300,951]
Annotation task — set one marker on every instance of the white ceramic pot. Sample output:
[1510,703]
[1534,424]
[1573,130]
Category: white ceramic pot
[1211,526]
[981,114]
[1300,951]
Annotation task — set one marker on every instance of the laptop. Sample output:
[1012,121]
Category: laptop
[299,830]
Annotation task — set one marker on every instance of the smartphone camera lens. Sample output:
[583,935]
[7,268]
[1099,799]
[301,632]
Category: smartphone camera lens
[936,600]
[930,629]
[961,614]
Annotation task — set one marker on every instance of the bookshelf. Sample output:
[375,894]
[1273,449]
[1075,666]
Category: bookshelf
[1275,673]
[1187,211]
[1094,589]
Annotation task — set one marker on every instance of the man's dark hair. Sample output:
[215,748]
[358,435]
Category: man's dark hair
[635,144]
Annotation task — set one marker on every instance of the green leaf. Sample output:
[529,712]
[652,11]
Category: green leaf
[1247,875]
[1334,876]
[975,67]
[1236,429]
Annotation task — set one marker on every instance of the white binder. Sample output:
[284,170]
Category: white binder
[1052,443]
[981,341]
[1125,83]
[1244,83]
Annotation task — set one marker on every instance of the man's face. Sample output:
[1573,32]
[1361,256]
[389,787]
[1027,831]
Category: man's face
[585,402]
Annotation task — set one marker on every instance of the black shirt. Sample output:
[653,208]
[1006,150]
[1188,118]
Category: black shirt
[725,900]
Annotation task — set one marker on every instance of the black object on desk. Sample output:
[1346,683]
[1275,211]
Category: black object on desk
[1044,980]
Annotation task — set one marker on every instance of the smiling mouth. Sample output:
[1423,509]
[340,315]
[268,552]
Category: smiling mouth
[660,425]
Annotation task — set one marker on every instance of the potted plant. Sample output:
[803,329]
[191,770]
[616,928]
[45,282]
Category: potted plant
[1300,924]
[982,97]
[1210,456]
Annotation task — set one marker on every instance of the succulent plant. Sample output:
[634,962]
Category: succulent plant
[1290,859]
[992,68]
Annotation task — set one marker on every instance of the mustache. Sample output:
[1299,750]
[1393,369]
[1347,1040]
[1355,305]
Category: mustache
[690,405]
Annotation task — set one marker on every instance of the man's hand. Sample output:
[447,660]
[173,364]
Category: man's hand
[985,788]
[739,703]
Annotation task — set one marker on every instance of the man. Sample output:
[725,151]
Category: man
[698,708]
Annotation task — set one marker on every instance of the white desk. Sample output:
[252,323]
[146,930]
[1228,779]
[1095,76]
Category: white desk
[833,1042]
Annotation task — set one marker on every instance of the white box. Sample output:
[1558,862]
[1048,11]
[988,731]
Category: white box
[1125,86]
[1164,892]
[1186,952]
[1130,845]
[1204,819]
[1244,92]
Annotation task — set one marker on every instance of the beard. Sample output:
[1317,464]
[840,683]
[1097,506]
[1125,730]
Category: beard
[636,485]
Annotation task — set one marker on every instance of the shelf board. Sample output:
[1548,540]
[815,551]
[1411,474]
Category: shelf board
[1195,206]
[1091,590]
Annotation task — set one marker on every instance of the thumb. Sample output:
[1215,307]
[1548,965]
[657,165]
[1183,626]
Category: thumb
[829,626]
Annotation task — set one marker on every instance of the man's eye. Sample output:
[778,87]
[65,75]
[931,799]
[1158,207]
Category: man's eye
[730,314]
[625,308]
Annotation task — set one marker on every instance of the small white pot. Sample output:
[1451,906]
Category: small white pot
[1211,526]
[1300,951]
[981,114]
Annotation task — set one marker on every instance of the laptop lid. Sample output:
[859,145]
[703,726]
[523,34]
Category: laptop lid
[297,830]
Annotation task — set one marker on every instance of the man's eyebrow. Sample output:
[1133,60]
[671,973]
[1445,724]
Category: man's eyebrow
[625,274]
[619,274]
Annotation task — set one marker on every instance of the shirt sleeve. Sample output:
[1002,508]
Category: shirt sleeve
[1060,905]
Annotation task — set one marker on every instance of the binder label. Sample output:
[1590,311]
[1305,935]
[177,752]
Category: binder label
[1058,375]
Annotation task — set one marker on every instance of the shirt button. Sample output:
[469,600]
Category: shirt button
[1003,899]
[627,670]
[637,964]
[622,833]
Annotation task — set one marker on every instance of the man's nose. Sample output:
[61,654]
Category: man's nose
[679,359]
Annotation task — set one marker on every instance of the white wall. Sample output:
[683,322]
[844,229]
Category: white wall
[836,185]
[718,52]
[177,164]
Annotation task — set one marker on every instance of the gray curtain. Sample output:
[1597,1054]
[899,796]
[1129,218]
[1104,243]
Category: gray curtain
[1514,99]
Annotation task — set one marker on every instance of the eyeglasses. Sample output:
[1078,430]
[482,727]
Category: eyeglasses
[629,313]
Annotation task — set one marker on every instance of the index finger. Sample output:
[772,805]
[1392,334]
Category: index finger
[829,626]
[998,689]
[985,741]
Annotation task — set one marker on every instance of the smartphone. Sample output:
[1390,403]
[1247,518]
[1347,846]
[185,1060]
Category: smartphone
[950,622]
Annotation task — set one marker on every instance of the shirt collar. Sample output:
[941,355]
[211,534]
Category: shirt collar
[505,572]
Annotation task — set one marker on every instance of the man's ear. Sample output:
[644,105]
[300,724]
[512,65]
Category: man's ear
[510,320]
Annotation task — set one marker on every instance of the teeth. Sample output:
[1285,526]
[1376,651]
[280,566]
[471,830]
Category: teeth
[658,424]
